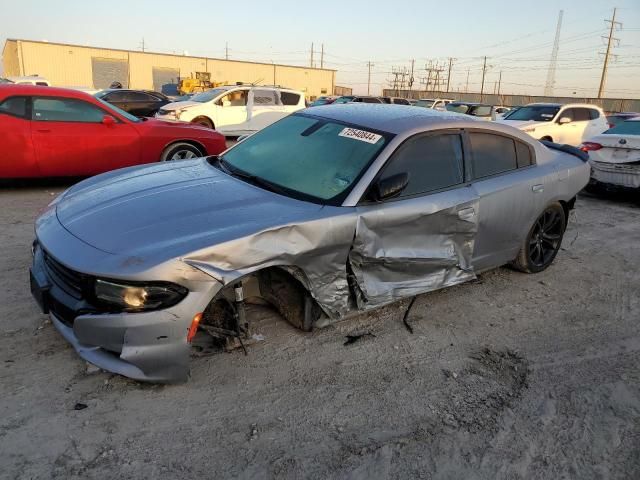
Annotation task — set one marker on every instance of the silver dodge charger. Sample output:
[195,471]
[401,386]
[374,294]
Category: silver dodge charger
[331,211]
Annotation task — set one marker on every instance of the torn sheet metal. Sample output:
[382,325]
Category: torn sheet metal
[405,248]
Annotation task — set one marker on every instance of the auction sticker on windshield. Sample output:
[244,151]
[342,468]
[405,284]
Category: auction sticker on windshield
[361,135]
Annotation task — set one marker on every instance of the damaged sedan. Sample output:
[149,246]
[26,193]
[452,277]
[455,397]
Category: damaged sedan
[330,211]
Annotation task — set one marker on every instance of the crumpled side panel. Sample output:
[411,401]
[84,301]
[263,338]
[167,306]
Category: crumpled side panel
[319,248]
[411,247]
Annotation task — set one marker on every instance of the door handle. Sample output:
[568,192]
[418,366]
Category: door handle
[43,130]
[537,188]
[466,213]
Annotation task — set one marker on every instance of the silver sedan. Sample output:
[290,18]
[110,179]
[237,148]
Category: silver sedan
[332,210]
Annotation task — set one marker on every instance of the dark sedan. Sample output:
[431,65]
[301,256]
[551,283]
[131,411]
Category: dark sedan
[141,103]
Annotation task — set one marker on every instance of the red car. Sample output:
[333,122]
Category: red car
[54,132]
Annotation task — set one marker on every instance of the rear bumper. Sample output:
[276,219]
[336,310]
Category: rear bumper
[619,174]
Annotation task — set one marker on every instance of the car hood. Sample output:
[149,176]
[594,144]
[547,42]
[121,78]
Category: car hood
[522,124]
[171,209]
[179,105]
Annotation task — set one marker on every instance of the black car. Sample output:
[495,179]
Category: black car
[367,99]
[141,103]
[395,100]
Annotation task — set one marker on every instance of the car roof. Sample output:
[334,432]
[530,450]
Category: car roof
[387,118]
[7,89]
[570,105]
[460,102]
[130,90]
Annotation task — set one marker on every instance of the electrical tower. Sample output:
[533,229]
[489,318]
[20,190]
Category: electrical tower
[551,73]
[608,52]
[434,81]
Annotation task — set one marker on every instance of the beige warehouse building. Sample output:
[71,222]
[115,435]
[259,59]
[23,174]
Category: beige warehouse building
[80,66]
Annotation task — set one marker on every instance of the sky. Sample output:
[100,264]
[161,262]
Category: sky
[517,37]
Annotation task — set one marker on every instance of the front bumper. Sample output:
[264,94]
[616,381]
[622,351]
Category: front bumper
[147,346]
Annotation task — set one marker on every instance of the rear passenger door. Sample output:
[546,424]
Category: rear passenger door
[265,108]
[510,191]
[422,239]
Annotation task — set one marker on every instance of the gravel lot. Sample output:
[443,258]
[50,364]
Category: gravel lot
[511,376]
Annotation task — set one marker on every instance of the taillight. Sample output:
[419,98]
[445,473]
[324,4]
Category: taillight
[611,125]
[590,146]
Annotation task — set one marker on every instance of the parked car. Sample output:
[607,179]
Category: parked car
[30,80]
[51,132]
[344,99]
[141,103]
[402,205]
[614,157]
[572,123]
[478,110]
[434,103]
[367,99]
[510,112]
[236,110]
[325,100]
[614,119]
[395,100]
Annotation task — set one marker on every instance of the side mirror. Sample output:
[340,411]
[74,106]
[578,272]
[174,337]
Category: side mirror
[564,120]
[226,103]
[389,187]
[108,120]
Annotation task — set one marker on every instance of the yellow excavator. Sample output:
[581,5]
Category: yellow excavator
[200,82]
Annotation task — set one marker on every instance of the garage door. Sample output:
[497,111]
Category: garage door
[165,80]
[109,70]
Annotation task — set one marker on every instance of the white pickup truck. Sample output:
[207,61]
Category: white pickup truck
[236,110]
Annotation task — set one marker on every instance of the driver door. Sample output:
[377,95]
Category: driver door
[232,115]
[422,239]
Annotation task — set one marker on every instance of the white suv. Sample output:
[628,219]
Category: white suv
[571,123]
[236,110]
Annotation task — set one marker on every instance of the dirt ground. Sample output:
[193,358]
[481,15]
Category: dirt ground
[508,377]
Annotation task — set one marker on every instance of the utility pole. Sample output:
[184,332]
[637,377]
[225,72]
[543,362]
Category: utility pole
[369,65]
[449,73]
[499,81]
[322,56]
[606,55]
[411,77]
[226,50]
[311,63]
[466,88]
[484,70]
[143,44]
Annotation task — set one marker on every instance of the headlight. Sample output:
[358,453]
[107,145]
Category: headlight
[143,296]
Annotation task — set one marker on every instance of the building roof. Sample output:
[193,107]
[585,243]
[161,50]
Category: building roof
[161,53]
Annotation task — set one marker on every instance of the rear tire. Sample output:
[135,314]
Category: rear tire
[204,121]
[543,241]
[180,151]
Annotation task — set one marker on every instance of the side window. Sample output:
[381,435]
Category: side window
[139,97]
[15,106]
[581,115]
[482,111]
[568,113]
[593,113]
[492,154]
[52,109]
[265,98]
[370,100]
[116,97]
[237,98]
[42,84]
[433,162]
[289,98]
[525,158]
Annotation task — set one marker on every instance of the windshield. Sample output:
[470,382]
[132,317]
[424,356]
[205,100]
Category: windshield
[120,112]
[344,99]
[309,158]
[320,101]
[461,108]
[630,127]
[425,103]
[208,95]
[536,113]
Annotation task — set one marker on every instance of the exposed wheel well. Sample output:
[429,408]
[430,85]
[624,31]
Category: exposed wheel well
[204,117]
[547,138]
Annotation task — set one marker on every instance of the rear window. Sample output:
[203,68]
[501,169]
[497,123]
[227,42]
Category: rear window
[289,98]
[15,106]
[492,154]
[630,127]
